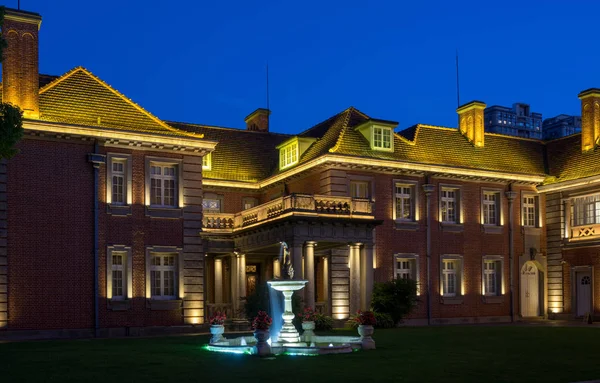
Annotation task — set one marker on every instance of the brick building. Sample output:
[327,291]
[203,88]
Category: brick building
[114,221]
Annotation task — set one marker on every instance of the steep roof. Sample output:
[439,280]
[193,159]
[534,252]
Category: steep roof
[79,97]
[567,161]
[240,155]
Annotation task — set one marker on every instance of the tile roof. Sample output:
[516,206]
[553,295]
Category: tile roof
[240,155]
[567,161]
[79,97]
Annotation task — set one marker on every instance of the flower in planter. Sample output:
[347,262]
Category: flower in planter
[308,315]
[365,318]
[217,319]
[262,321]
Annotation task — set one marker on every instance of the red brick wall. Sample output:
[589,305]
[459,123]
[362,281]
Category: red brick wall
[50,237]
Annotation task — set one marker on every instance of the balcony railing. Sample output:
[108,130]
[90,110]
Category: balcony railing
[585,232]
[295,204]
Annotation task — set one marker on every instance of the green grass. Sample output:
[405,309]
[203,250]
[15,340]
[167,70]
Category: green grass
[426,354]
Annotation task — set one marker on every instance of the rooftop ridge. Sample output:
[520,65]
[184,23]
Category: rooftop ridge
[243,130]
[342,131]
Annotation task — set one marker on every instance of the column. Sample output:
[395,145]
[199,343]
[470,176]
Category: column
[366,276]
[235,297]
[276,268]
[326,280]
[309,274]
[218,280]
[296,253]
[242,274]
[354,277]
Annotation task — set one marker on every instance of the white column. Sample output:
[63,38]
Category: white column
[325,279]
[242,274]
[296,253]
[235,297]
[354,277]
[309,274]
[366,277]
[218,280]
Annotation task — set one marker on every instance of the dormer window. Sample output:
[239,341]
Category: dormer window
[288,155]
[207,161]
[379,133]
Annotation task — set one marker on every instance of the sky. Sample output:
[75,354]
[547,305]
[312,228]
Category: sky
[205,61]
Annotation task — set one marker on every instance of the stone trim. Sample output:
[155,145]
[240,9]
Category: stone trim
[3,246]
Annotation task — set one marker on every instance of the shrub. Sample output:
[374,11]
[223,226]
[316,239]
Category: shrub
[257,301]
[323,322]
[366,318]
[396,298]
[262,321]
[384,320]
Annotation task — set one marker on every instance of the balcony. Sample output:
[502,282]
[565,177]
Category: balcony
[580,233]
[304,205]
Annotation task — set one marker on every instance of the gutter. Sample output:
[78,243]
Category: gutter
[428,189]
[511,195]
[96,159]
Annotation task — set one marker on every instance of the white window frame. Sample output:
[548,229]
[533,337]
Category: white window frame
[498,273]
[414,195]
[177,268]
[178,195]
[127,268]
[249,202]
[487,204]
[444,200]
[125,159]
[457,271]
[580,212]
[207,161]
[289,155]
[527,206]
[355,186]
[384,131]
[212,203]
[413,262]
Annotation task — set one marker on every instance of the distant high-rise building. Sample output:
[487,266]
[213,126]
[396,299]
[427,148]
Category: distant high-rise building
[516,121]
[561,126]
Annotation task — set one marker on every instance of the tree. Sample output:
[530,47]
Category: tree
[11,117]
[396,298]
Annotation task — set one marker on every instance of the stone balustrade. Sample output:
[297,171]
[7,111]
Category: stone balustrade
[304,204]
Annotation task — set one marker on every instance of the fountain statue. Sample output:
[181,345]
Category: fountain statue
[285,260]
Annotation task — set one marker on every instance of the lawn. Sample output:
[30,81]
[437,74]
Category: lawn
[424,354]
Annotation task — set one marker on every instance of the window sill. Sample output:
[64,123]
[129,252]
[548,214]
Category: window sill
[493,299]
[120,210]
[163,305]
[491,229]
[406,225]
[452,300]
[164,212]
[530,230]
[119,305]
[452,227]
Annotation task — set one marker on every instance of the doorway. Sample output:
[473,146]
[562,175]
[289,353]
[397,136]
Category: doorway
[530,290]
[583,292]
[252,278]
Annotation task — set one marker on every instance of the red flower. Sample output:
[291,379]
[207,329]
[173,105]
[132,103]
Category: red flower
[262,321]
[366,318]
[309,315]
[218,318]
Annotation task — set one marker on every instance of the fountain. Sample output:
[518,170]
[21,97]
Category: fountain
[287,341]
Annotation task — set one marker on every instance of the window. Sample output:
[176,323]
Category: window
[451,272]
[406,266]
[382,138]
[403,269]
[118,276]
[163,185]
[530,211]
[359,189]
[163,276]
[212,203]
[404,202]
[586,210]
[207,161]
[449,206]
[492,276]
[288,155]
[249,203]
[491,208]
[118,183]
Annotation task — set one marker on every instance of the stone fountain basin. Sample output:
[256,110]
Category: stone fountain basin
[287,284]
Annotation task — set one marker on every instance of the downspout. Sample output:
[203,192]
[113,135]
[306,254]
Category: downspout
[96,159]
[511,195]
[428,189]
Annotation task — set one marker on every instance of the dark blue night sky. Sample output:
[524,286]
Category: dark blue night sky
[204,61]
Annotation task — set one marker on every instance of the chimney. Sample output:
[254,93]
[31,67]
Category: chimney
[258,121]
[20,73]
[590,119]
[470,122]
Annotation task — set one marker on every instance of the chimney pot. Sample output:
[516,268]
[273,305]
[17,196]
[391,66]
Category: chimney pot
[470,122]
[258,120]
[590,119]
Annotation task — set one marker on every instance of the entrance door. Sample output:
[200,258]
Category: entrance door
[252,278]
[530,288]
[584,292]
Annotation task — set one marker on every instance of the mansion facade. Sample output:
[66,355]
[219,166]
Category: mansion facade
[115,222]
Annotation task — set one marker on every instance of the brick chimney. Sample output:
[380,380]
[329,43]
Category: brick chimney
[258,120]
[590,119]
[20,72]
[470,122]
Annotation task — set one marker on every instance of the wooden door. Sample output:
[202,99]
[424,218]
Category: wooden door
[584,292]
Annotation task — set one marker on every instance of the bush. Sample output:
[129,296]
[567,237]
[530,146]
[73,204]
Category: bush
[396,298]
[323,322]
[384,320]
